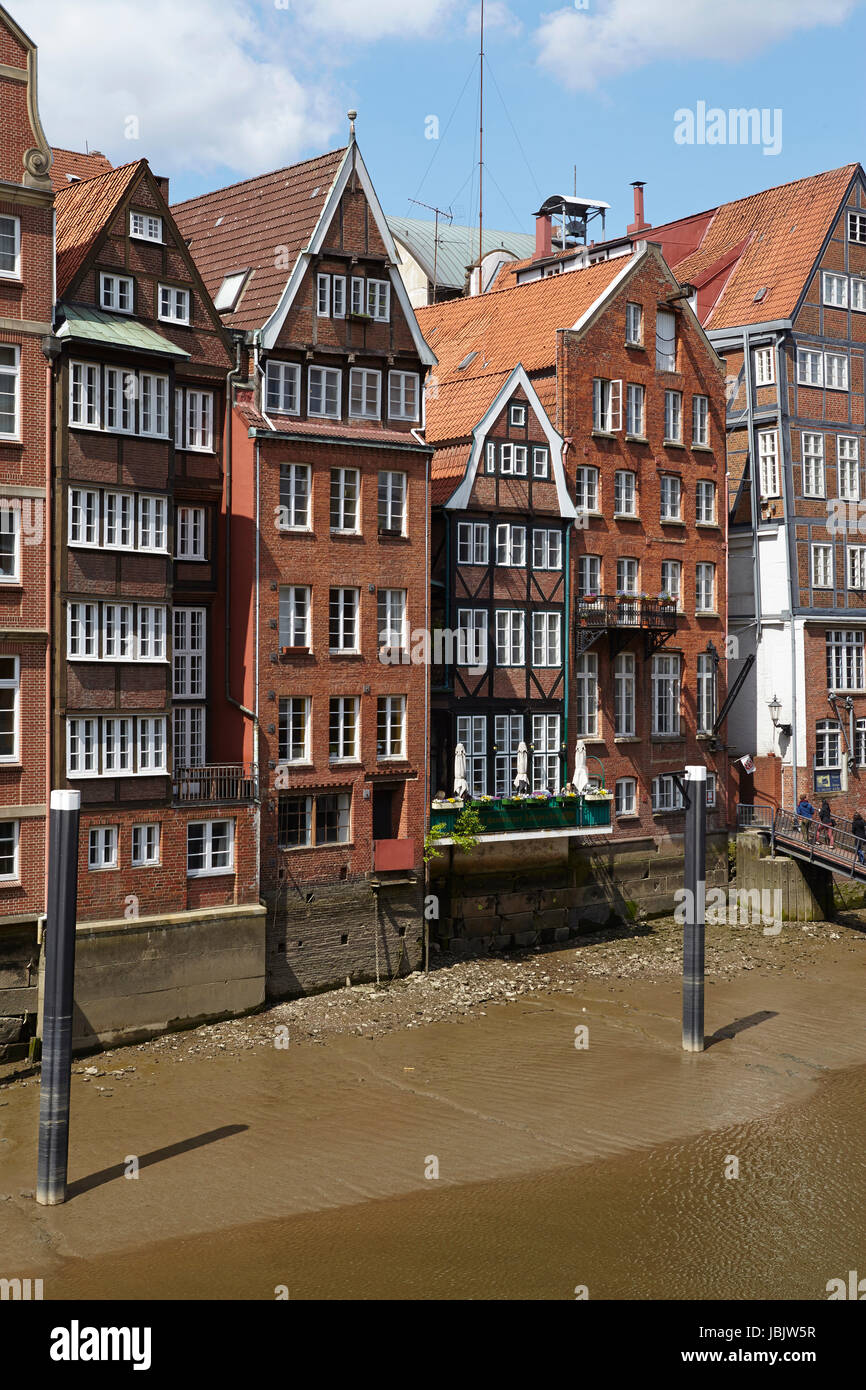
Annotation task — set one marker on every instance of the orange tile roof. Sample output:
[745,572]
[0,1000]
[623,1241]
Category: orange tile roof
[506,276]
[83,210]
[448,467]
[69,165]
[243,227]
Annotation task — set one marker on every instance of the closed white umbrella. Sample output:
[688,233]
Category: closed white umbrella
[521,781]
[581,776]
[461,786]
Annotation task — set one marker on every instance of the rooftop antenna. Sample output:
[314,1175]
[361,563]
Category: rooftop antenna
[440,212]
[481,152]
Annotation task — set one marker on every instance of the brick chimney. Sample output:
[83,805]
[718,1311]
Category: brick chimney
[543,236]
[639,224]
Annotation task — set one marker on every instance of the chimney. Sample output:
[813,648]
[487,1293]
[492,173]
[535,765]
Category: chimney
[543,235]
[639,224]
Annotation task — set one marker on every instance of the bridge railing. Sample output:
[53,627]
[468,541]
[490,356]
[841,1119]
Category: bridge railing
[832,841]
[757,816]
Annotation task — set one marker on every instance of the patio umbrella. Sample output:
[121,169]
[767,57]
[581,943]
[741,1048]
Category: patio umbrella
[581,776]
[461,786]
[521,781]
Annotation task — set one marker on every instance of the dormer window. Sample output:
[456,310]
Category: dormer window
[517,415]
[145,227]
[229,292]
[173,304]
[379,300]
[116,293]
[10,248]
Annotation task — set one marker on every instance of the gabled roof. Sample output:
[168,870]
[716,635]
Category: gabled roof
[458,247]
[69,165]
[84,209]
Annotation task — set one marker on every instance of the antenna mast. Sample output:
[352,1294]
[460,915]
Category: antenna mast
[481,153]
[440,212]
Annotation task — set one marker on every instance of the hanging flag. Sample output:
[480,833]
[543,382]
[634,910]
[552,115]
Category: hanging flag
[747,762]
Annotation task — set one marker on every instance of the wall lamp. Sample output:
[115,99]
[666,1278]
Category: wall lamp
[775,708]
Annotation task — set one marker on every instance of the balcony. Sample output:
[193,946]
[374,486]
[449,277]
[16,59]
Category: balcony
[216,784]
[619,617]
[529,816]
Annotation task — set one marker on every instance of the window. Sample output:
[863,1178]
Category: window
[345,495]
[634,412]
[190,534]
[153,413]
[666,341]
[357,295]
[365,392]
[768,462]
[822,566]
[294,617]
[666,794]
[145,845]
[848,466]
[121,389]
[665,695]
[116,292]
[813,465]
[393,619]
[624,695]
[705,588]
[857,226]
[517,415]
[304,821]
[671,579]
[115,632]
[508,736]
[323,296]
[705,503]
[701,421]
[586,695]
[10,704]
[510,649]
[111,747]
[295,497]
[626,797]
[229,292]
[84,391]
[210,848]
[294,734]
[152,512]
[473,542]
[765,366]
[546,742]
[10,543]
[379,299]
[332,818]
[102,849]
[546,639]
[511,545]
[673,417]
[626,575]
[472,733]
[472,637]
[145,227]
[118,746]
[173,304]
[118,632]
[606,405]
[283,388]
[835,290]
[539,463]
[710,792]
[392,503]
[338,296]
[706,693]
[634,324]
[828,744]
[624,494]
[588,576]
[343,620]
[835,371]
[858,295]
[547,550]
[513,459]
[490,453]
[189,749]
[671,497]
[194,425]
[857,567]
[344,729]
[810,367]
[324,392]
[9,391]
[151,633]
[10,248]
[83,630]
[391,726]
[845,659]
[9,835]
[586,489]
[403,395]
[189,653]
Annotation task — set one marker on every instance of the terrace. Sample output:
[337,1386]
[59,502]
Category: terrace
[530,817]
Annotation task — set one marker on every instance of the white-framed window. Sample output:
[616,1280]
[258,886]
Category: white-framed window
[116,292]
[835,289]
[705,503]
[672,573]
[701,421]
[813,464]
[115,746]
[666,794]
[586,695]
[403,395]
[546,639]
[510,642]
[848,466]
[145,845]
[118,747]
[10,709]
[810,367]
[513,460]
[472,733]
[10,543]
[323,296]
[84,395]
[228,294]
[606,405]
[358,302]
[473,542]
[546,550]
[338,296]
[152,752]
[82,748]
[345,498]
[586,489]
[190,534]
[189,736]
[391,726]
[828,744]
[710,790]
[634,324]
[858,294]
[152,524]
[857,227]
[392,503]
[194,427]
[145,227]
[666,341]
[845,659]
[324,392]
[294,729]
[665,695]
[836,371]
[10,248]
[10,391]
[626,575]
[294,616]
[283,388]
[115,632]
[344,733]
[508,736]
[588,576]
[365,393]
[822,566]
[210,848]
[624,493]
[118,632]
[546,748]
[765,366]
[624,695]
[540,462]
[705,587]
[151,632]
[121,390]
[393,619]
[857,567]
[153,414]
[635,399]
[490,455]
[625,797]
[174,304]
[671,497]
[768,463]
[472,637]
[190,653]
[379,300]
[102,847]
[295,489]
[82,631]
[511,545]
[673,417]
[706,693]
[517,415]
[343,620]
[9,840]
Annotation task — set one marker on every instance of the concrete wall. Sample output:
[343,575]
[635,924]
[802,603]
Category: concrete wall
[19,975]
[806,890]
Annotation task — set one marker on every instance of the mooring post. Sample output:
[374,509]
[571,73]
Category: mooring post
[696,904]
[57,1008]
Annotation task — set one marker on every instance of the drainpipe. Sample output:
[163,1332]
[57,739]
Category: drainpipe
[416,434]
[790,513]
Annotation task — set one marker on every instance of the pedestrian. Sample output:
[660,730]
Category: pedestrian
[858,830]
[827,821]
[805,810]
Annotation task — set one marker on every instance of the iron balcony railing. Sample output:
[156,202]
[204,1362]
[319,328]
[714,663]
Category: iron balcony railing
[217,782]
[607,612]
[758,817]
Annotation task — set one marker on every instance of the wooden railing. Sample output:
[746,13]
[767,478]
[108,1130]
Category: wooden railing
[217,782]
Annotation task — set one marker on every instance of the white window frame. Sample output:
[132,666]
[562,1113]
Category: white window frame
[813,464]
[395,749]
[672,580]
[666,795]
[190,540]
[810,367]
[845,658]
[472,637]
[189,732]
[345,729]
[145,226]
[670,497]
[326,378]
[673,417]
[153,401]
[705,488]
[12,371]
[13,826]
[338,499]
[546,549]
[705,587]
[296,501]
[635,410]
[517,415]
[392,616]
[588,569]
[146,845]
[765,366]
[379,300]
[113,289]
[768,463]
[546,752]
[700,422]
[179,304]
[586,695]
[836,366]
[472,733]
[510,637]
[666,358]
[624,696]
[10,525]
[822,566]
[15,272]
[857,567]
[197,421]
[666,680]
[85,396]
[857,220]
[607,405]
[207,869]
[295,616]
[294,752]
[154,525]
[625,797]
[586,487]
[344,608]
[189,653]
[283,388]
[834,289]
[546,639]
[473,543]
[510,546]
[103,848]
[404,395]
[323,296]
[13,683]
[540,462]
[848,467]
[361,380]
[392,501]
[623,491]
[634,324]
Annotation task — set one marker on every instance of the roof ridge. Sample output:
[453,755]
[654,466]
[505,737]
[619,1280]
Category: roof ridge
[254,178]
[106,174]
[512,289]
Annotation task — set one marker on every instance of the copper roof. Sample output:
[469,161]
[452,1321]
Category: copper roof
[69,165]
[83,210]
[261,225]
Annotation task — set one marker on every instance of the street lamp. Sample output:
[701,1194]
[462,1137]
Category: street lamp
[775,708]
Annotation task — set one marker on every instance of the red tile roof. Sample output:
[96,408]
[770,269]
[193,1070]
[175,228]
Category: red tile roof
[69,165]
[83,210]
[246,226]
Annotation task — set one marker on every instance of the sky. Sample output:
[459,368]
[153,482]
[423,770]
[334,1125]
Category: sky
[215,91]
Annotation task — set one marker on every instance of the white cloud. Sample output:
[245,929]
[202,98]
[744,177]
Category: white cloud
[498,18]
[368,20]
[581,48]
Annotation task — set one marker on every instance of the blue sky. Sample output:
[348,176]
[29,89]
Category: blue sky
[247,85]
